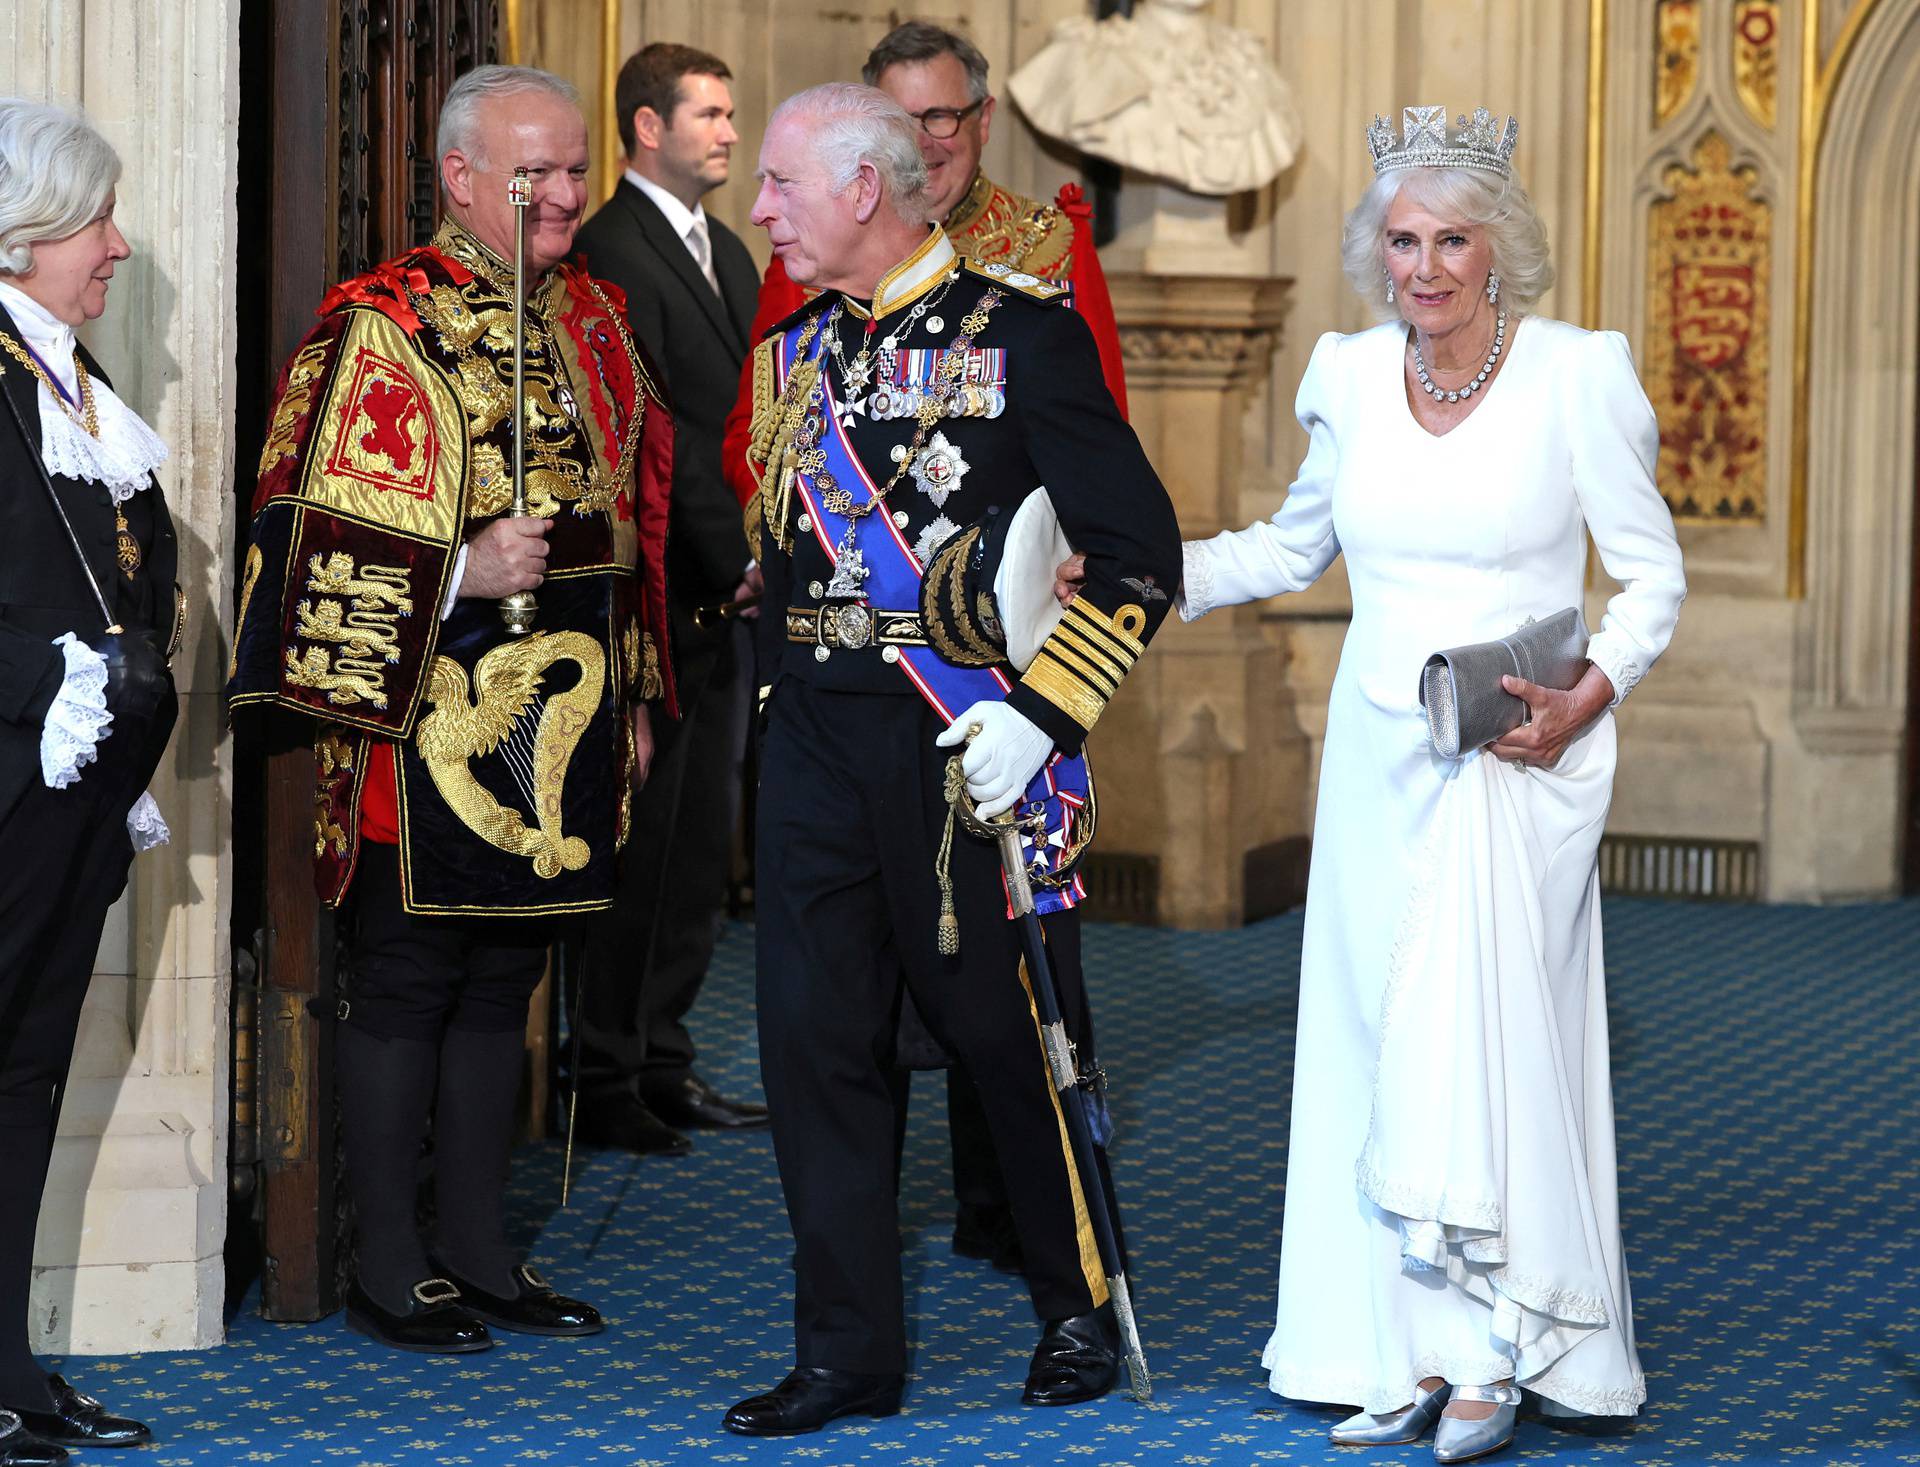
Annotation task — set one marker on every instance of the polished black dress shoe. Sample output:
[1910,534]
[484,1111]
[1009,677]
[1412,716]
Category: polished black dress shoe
[532,1309]
[77,1420]
[691,1101]
[624,1121]
[437,1321]
[810,1397]
[21,1448]
[988,1233]
[1077,1359]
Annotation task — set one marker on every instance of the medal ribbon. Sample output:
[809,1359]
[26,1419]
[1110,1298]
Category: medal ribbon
[1064,785]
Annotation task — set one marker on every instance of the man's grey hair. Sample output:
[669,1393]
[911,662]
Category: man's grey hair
[855,125]
[459,129]
[1515,231]
[55,174]
[917,40]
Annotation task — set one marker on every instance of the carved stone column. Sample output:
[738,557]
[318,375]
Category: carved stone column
[128,1255]
[1203,763]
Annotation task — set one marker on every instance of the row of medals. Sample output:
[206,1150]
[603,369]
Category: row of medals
[936,472]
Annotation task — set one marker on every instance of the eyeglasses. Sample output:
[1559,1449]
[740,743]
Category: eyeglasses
[944,122]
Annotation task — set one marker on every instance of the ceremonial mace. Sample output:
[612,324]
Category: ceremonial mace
[519,609]
[1004,830]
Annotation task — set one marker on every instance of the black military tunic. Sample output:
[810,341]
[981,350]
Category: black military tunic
[852,809]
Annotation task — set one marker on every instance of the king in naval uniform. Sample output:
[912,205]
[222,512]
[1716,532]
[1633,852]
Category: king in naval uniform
[940,78]
[899,420]
[473,784]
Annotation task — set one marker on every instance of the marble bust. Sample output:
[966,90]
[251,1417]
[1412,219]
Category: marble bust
[1168,91]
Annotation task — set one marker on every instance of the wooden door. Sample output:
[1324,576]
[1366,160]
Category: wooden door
[338,104]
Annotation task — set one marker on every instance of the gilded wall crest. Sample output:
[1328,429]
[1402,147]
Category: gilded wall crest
[1709,262]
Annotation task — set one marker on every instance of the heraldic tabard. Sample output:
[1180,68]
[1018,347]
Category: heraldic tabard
[502,765]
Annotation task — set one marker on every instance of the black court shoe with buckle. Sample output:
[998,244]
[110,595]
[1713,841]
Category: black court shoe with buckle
[437,1321]
[77,1420]
[533,1309]
[21,1448]
[810,1397]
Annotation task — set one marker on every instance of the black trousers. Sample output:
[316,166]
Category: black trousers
[977,1180]
[850,816]
[645,959]
[67,860]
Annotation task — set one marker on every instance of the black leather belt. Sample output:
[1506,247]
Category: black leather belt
[850,627]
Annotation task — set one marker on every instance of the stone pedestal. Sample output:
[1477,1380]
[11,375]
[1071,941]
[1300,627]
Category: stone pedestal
[1163,229]
[1202,758]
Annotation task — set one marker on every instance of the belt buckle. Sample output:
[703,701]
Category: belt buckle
[851,626]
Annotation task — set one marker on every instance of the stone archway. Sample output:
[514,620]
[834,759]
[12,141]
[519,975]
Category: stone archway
[1866,342]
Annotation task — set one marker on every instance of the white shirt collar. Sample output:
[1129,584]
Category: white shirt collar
[679,217]
[45,332]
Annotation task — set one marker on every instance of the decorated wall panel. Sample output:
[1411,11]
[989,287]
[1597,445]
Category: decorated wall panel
[1709,314]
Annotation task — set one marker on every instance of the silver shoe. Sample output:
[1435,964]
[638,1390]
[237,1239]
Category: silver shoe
[1460,1441]
[1391,1428]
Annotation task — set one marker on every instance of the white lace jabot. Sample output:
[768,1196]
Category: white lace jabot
[127,451]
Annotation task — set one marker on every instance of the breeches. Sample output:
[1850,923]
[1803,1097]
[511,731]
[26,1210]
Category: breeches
[415,977]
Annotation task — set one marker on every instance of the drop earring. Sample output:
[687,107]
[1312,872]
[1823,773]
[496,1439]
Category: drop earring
[1389,287]
[1493,288]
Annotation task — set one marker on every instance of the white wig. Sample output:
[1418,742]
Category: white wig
[1465,195]
[857,124]
[55,175]
[459,127]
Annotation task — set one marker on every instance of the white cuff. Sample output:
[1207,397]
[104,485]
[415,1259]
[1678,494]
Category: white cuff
[1605,653]
[145,826]
[78,719]
[453,583]
[1196,581]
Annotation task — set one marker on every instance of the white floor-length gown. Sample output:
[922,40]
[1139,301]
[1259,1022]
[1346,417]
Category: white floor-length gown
[1451,1206]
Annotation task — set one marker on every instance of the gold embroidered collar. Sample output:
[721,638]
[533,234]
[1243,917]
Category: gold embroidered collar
[464,248]
[912,278]
[972,205]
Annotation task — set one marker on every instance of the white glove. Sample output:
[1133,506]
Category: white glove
[1002,759]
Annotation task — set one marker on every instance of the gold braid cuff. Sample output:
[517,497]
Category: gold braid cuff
[1078,669]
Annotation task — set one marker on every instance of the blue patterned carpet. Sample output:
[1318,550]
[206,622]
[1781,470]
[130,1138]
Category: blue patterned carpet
[1769,1111]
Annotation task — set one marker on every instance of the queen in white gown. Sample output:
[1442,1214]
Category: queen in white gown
[1451,1208]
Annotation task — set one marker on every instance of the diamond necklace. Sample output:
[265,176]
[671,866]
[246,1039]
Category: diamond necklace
[1441,394]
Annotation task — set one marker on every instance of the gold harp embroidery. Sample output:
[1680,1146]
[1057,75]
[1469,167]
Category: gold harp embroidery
[464,725]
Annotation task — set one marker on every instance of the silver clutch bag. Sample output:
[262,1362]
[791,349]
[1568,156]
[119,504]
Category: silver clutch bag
[1460,688]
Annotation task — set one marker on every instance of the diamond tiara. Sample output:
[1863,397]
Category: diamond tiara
[1477,142]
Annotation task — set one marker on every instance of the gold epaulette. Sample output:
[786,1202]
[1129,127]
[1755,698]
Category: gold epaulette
[1079,667]
[766,403]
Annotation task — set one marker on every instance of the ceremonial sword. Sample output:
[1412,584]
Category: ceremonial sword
[1004,830]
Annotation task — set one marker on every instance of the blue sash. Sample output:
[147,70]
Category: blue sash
[1062,792]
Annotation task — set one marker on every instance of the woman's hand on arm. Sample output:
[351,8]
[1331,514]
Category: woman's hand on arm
[1555,718]
[1069,577]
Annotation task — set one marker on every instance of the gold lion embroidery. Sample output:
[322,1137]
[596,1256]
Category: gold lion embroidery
[375,585]
[467,724]
[295,403]
[332,759]
[359,612]
[346,680]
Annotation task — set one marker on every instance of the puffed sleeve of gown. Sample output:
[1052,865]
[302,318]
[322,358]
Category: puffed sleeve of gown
[1290,551]
[1613,438]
